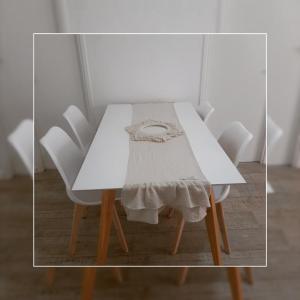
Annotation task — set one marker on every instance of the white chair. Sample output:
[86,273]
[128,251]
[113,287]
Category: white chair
[274,132]
[234,140]
[80,127]
[22,141]
[68,159]
[205,110]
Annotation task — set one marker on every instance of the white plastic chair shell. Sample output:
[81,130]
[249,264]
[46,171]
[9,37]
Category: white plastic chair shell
[68,159]
[22,141]
[80,126]
[205,110]
[274,132]
[234,141]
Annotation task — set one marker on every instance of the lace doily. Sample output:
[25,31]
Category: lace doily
[161,131]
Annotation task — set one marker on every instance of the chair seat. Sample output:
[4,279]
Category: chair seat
[221,192]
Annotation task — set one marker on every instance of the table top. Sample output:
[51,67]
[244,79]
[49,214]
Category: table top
[105,165]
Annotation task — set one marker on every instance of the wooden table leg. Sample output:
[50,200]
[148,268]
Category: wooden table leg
[213,230]
[235,283]
[183,275]
[106,217]
[50,276]
[88,283]
[118,274]
[249,275]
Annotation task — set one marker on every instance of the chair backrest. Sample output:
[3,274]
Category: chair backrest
[205,110]
[22,141]
[234,140]
[65,154]
[274,132]
[80,126]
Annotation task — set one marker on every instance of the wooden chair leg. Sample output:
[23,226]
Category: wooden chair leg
[50,276]
[235,283]
[179,231]
[117,274]
[249,275]
[119,229]
[77,213]
[106,216]
[223,228]
[88,283]
[213,230]
[84,212]
[182,275]
[170,213]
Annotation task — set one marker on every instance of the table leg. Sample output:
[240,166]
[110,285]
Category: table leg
[213,230]
[118,274]
[50,276]
[88,283]
[249,275]
[183,275]
[106,217]
[235,283]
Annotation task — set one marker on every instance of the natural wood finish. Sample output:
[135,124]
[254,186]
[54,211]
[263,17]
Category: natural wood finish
[50,276]
[179,231]
[223,228]
[213,229]
[88,283]
[106,217]
[170,213]
[118,274]
[119,230]
[89,279]
[249,275]
[84,213]
[235,283]
[77,213]
[183,275]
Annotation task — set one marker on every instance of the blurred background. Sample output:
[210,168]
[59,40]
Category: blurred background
[279,19]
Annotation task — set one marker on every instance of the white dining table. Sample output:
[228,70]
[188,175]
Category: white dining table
[105,165]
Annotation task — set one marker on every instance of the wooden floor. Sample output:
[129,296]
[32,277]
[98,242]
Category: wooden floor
[18,280]
[150,244]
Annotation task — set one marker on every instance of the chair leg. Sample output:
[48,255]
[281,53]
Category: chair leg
[117,274]
[179,231]
[249,275]
[223,228]
[119,229]
[235,283]
[84,213]
[77,213]
[213,230]
[88,283]
[106,218]
[170,213]
[183,275]
[50,276]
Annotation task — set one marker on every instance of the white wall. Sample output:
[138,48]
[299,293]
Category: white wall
[280,19]
[57,82]
[236,85]
[135,68]
[18,19]
[143,15]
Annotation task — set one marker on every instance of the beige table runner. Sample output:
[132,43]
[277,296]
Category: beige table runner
[162,172]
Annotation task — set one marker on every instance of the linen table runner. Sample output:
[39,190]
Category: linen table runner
[163,173]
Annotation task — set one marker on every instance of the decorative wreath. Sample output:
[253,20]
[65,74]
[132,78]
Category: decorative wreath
[137,133]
